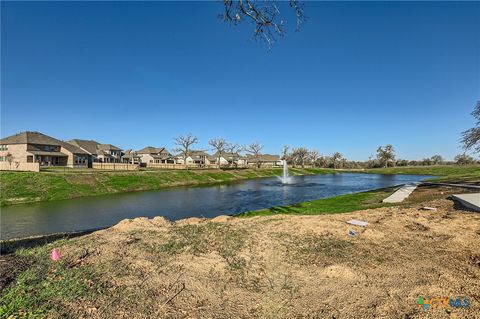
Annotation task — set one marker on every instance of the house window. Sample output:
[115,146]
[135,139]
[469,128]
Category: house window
[3,148]
[80,160]
[3,158]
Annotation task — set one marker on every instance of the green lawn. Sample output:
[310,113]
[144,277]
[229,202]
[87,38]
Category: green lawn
[450,173]
[331,205]
[26,187]
[38,288]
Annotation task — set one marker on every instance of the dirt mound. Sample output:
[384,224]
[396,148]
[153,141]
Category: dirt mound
[283,266]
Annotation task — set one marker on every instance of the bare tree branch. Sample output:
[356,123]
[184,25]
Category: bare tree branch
[220,145]
[184,142]
[471,137]
[255,149]
[265,15]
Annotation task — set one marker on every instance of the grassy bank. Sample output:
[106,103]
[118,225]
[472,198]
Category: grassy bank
[27,187]
[443,173]
[331,205]
[373,199]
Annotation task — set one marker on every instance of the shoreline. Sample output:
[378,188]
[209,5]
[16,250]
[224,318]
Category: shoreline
[45,238]
[70,185]
[26,187]
[10,244]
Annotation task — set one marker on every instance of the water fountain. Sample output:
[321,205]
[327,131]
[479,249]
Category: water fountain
[285,178]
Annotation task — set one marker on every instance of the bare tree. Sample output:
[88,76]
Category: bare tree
[471,137]
[184,142]
[234,149]
[386,155]
[436,159]
[464,159]
[254,149]
[314,155]
[323,161]
[9,158]
[285,150]
[220,145]
[265,15]
[336,157]
[300,155]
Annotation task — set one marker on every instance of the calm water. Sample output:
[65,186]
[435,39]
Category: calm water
[178,203]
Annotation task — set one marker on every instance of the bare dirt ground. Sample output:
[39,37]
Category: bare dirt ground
[285,266]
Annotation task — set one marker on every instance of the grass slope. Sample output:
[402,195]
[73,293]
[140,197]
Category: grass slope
[444,173]
[26,187]
[331,205]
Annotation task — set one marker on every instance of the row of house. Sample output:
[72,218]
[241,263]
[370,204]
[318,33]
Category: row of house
[36,147]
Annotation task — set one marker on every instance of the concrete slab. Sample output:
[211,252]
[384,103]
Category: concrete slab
[357,222]
[471,201]
[401,193]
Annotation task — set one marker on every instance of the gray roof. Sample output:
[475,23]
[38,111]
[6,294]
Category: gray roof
[108,147]
[263,158]
[152,150]
[88,145]
[28,137]
[227,155]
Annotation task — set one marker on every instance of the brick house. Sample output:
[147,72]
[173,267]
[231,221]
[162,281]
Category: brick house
[35,147]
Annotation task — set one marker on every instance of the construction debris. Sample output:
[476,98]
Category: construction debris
[471,201]
[357,222]
[402,193]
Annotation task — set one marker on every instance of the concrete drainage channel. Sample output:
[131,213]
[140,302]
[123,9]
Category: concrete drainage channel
[471,201]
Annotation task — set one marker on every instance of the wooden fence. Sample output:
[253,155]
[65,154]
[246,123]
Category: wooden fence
[115,166]
[179,166]
[17,166]
[191,166]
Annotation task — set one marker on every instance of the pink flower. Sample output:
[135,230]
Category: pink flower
[55,254]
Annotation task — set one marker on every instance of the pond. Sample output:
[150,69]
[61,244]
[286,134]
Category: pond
[182,202]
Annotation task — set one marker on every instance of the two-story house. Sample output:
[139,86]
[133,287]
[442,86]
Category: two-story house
[152,154]
[104,153]
[35,147]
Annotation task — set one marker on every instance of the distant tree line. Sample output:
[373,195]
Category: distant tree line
[385,157]
[304,157]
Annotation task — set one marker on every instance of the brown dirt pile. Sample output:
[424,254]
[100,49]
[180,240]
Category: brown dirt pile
[286,266]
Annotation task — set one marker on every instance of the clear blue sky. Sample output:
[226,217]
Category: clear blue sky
[358,75]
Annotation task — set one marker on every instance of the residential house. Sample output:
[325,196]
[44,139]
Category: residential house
[194,157]
[108,153]
[157,155]
[131,157]
[226,159]
[105,153]
[35,147]
[265,160]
